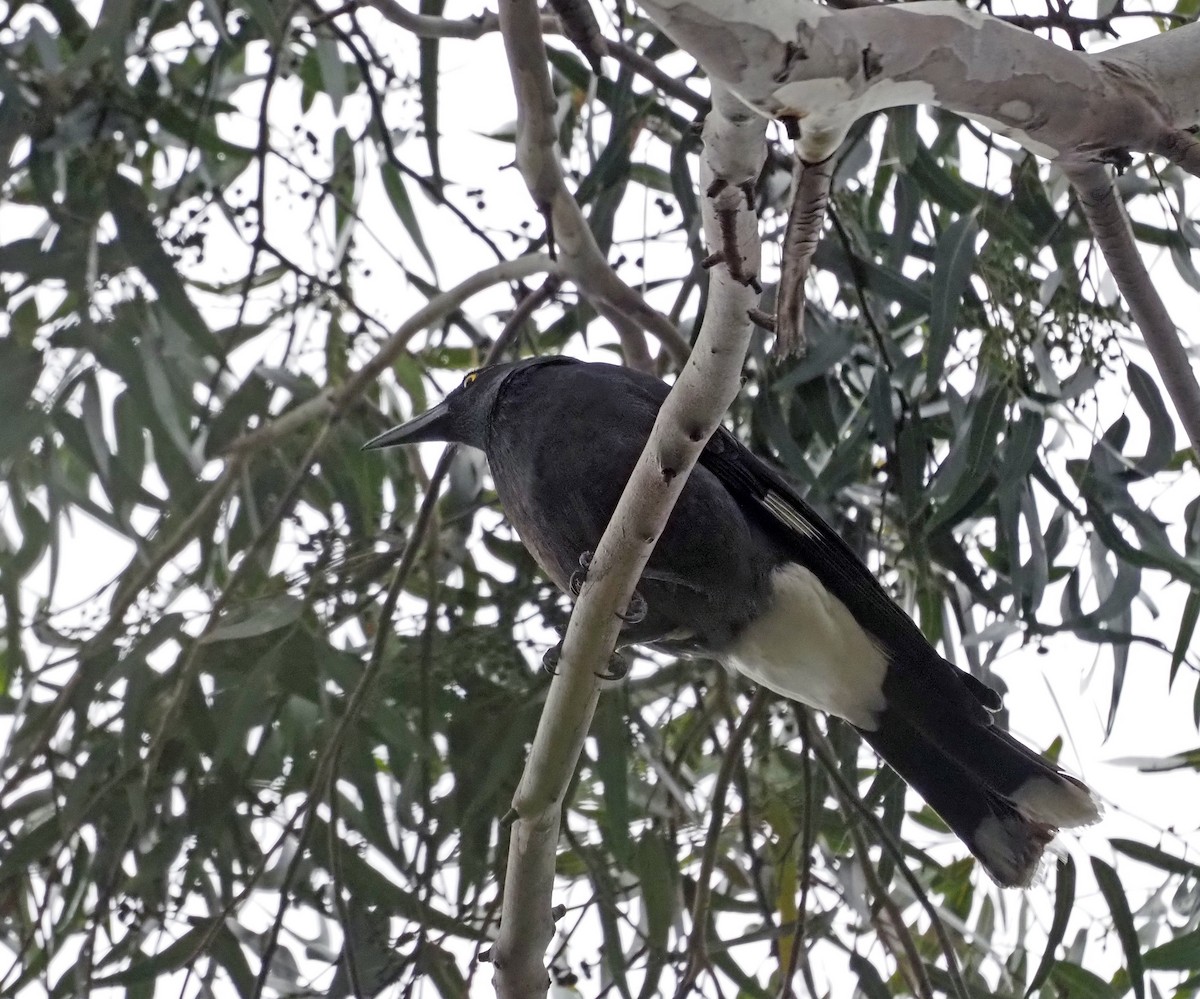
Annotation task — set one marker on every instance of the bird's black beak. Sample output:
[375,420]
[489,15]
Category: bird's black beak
[432,425]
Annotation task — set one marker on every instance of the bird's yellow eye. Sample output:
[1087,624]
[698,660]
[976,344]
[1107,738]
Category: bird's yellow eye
[471,376]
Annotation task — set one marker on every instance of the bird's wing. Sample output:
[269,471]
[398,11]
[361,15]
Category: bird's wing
[810,541]
[814,544]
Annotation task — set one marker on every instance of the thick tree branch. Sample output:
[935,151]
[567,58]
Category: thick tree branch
[827,68]
[823,69]
[539,161]
[733,155]
[1170,65]
[1181,148]
[1110,225]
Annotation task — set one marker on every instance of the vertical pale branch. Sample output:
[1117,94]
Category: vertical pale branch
[1110,225]
[733,155]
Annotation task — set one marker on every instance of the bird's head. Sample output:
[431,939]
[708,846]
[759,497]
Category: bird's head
[464,416]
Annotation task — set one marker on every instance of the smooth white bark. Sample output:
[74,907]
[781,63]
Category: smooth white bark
[733,156]
[1170,64]
[824,69]
[827,68]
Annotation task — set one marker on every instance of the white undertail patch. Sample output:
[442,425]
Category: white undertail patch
[808,646]
[1060,803]
[1010,850]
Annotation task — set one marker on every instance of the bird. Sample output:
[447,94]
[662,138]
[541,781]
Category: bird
[747,573]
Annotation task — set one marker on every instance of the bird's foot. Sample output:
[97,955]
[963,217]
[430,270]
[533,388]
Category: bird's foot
[618,665]
[618,668]
[635,613]
[579,576]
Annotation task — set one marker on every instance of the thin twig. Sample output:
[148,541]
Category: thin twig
[697,946]
[538,158]
[691,412]
[889,923]
[798,953]
[337,398]
[428,26]
[323,771]
[825,754]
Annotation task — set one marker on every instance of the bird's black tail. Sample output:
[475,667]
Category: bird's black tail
[1004,801]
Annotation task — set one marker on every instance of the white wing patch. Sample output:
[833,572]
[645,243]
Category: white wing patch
[789,515]
[807,646]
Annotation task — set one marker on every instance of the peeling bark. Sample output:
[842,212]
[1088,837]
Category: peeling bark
[821,69]
[827,68]
[809,204]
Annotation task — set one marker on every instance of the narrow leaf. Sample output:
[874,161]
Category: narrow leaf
[1118,905]
[1079,983]
[261,618]
[1064,902]
[952,265]
[869,980]
[1120,651]
[1180,954]
[1161,446]
[141,241]
[393,184]
[1187,625]
[1155,857]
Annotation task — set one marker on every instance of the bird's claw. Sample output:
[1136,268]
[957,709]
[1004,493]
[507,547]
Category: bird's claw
[618,665]
[618,668]
[635,613]
[579,576]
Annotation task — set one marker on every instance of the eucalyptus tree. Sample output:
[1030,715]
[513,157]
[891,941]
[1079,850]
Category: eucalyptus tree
[267,700]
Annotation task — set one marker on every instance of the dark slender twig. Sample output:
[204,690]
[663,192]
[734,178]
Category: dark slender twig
[427,26]
[349,959]
[627,55]
[697,946]
[798,953]
[824,753]
[860,291]
[890,926]
[323,770]
[378,119]
[579,24]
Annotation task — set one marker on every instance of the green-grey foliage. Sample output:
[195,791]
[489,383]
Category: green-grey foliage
[226,771]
